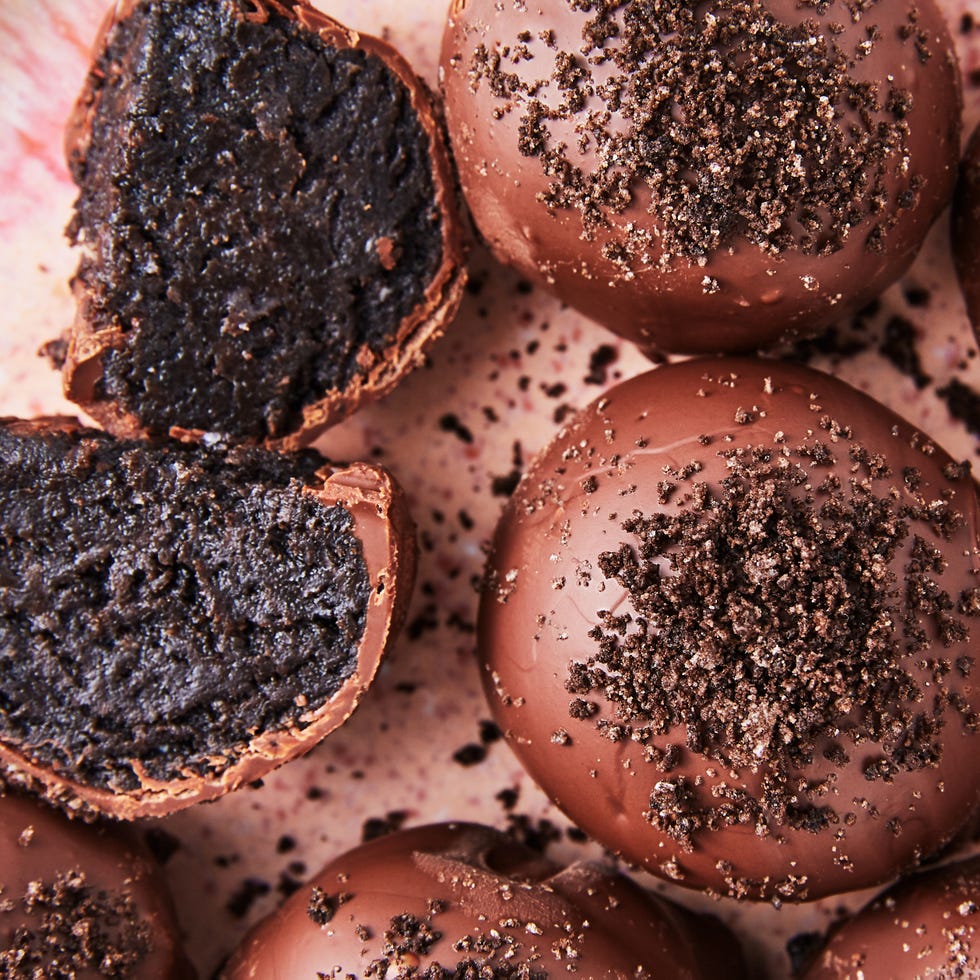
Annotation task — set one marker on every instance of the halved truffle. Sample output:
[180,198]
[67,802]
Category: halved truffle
[268,219]
[462,900]
[731,627]
[81,901]
[177,620]
[966,229]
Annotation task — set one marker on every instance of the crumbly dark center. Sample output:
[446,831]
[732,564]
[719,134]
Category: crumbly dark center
[739,126]
[778,614]
[257,208]
[70,929]
[158,607]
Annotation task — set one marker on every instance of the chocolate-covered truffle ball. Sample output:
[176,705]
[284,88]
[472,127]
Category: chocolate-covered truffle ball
[927,926]
[81,901]
[730,626]
[709,177]
[966,229]
[269,221]
[461,900]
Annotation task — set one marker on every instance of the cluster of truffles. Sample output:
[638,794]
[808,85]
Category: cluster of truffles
[731,614]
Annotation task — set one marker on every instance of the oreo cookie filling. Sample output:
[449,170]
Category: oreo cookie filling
[163,607]
[259,211]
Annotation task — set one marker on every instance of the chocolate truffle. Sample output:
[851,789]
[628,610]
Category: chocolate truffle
[710,177]
[730,627]
[925,927]
[461,900]
[268,221]
[79,901]
[966,229]
[176,620]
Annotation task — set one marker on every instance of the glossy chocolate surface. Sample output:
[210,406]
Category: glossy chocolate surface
[966,229]
[81,901]
[764,170]
[926,926]
[730,624]
[464,900]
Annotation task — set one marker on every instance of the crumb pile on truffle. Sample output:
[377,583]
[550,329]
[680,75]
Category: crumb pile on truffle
[162,605]
[739,125]
[74,928]
[767,618]
[257,208]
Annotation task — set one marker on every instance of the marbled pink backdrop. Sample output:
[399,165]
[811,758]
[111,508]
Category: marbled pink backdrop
[494,391]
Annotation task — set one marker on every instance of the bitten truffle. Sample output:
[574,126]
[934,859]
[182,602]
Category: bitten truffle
[730,626]
[966,229]
[177,620]
[267,219]
[461,900]
[925,927]
[704,178]
[80,901]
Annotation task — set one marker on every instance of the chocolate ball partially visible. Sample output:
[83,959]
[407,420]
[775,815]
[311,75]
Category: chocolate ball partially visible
[81,901]
[707,178]
[966,229]
[461,900]
[731,625]
[926,926]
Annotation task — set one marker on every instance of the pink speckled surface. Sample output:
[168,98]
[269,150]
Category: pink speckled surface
[507,370]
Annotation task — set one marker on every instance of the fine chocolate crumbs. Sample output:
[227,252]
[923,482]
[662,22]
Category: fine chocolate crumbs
[600,360]
[451,423]
[494,955]
[490,732]
[55,352]
[72,930]
[470,755]
[375,827]
[769,577]
[245,282]
[162,844]
[245,895]
[963,403]
[788,151]
[323,907]
[898,345]
[801,949]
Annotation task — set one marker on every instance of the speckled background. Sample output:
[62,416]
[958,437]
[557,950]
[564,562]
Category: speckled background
[457,434]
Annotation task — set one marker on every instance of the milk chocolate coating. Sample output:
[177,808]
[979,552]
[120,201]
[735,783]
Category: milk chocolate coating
[464,900]
[259,317]
[686,208]
[80,900]
[926,926]
[706,635]
[966,229]
[182,746]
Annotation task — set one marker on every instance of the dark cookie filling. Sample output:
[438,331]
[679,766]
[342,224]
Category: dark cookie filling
[768,619]
[161,606]
[73,930]
[256,206]
[738,125]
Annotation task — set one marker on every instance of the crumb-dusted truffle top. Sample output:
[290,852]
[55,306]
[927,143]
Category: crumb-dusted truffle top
[738,118]
[259,215]
[80,901]
[741,595]
[464,901]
